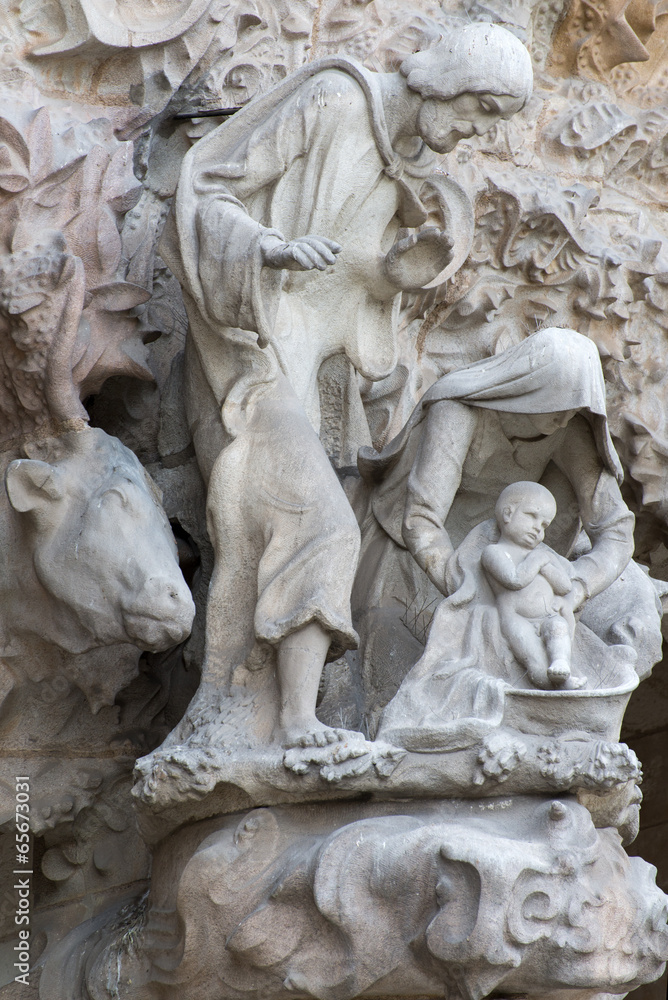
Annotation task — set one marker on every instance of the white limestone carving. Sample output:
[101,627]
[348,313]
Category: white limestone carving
[90,575]
[72,492]
[317,176]
[517,896]
[70,514]
[481,426]
[530,582]
[390,247]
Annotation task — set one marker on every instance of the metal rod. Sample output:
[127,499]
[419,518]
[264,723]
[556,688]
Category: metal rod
[206,113]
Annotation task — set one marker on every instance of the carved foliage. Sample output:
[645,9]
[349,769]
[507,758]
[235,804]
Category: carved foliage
[65,314]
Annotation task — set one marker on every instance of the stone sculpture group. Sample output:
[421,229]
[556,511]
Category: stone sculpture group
[388,759]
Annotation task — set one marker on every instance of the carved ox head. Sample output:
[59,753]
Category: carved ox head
[100,545]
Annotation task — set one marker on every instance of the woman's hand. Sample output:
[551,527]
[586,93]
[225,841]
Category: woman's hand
[576,597]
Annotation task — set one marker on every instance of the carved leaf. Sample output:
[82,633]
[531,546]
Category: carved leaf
[119,191]
[14,159]
[11,182]
[40,140]
[108,244]
[53,190]
[12,138]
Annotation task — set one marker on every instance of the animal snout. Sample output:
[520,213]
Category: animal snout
[160,615]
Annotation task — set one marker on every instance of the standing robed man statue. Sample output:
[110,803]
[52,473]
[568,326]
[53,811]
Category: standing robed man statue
[296,226]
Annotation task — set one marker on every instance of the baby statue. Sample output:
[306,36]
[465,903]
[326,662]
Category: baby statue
[530,582]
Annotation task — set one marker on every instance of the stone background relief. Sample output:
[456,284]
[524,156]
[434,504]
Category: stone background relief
[567,228]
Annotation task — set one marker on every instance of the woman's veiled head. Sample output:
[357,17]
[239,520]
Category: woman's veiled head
[552,371]
[480,74]
[532,425]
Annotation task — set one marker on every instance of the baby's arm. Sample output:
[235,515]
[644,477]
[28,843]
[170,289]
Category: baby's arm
[497,562]
[557,577]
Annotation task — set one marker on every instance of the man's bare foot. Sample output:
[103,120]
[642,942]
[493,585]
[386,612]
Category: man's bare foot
[313,733]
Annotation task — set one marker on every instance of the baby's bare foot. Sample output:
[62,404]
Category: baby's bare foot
[559,672]
[574,683]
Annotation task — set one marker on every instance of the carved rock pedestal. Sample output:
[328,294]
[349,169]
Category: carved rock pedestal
[514,896]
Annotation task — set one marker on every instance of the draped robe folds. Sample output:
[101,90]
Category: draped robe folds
[311,157]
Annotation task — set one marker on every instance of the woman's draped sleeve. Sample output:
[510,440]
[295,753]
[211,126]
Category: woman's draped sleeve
[605,517]
[433,483]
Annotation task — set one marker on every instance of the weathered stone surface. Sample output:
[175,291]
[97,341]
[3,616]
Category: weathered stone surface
[523,895]
[387,758]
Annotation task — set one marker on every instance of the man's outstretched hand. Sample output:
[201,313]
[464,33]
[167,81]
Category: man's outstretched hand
[302,254]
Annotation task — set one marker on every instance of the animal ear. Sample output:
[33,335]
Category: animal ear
[32,484]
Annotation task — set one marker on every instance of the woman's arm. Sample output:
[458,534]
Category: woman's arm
[433,482]
[605,517]
[557,577]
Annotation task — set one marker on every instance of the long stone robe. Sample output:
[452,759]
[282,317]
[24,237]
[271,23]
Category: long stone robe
[311,157]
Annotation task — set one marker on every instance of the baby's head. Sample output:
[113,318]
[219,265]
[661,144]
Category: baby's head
[523,512]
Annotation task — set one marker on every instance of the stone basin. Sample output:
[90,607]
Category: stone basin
[596,712]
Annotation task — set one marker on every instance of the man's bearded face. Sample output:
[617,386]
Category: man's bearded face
[442,123]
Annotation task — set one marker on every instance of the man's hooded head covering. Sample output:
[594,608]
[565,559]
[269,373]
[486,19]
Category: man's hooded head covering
[551,371]
[474,59]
